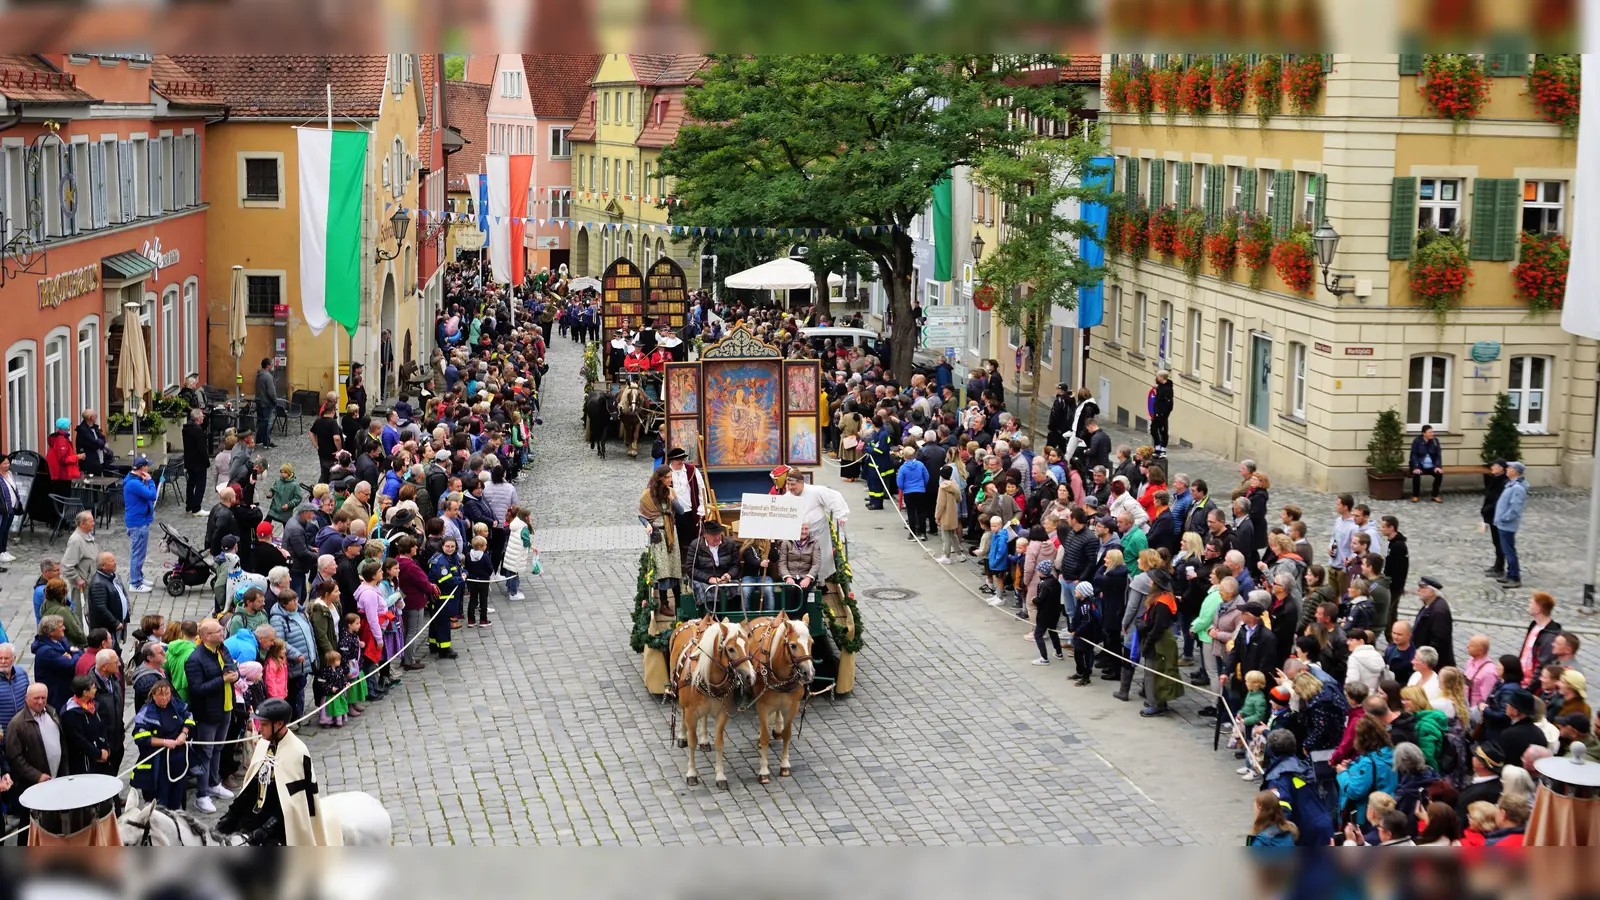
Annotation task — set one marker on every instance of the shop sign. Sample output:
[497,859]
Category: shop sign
[1324,348]
[1358,351]
[55,290]
[162,258]
[1485,351]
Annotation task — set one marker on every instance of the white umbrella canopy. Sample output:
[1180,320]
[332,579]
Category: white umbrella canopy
[238,307]
[779,275]
[133,369]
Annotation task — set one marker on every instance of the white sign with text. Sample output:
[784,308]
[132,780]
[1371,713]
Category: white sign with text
[772,516]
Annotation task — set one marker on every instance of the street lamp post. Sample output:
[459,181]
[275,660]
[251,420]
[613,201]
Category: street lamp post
[400,222]
[977,247]
[1326,241]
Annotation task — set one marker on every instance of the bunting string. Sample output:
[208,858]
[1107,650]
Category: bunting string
[437,217]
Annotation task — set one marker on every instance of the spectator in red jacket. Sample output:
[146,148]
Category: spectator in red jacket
[417,589]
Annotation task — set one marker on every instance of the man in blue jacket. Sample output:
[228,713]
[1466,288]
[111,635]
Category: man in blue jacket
[1508,519]
[912,479]
[1293,780]
[139,492]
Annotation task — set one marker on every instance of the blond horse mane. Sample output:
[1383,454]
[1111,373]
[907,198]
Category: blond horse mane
[707,650]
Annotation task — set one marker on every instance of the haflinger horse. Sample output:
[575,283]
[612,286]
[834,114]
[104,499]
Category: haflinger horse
[630,412]
[780,647]
[710,663]
[599,411]
[363,822]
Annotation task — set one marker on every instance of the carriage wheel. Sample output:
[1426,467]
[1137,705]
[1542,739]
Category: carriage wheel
[174,584]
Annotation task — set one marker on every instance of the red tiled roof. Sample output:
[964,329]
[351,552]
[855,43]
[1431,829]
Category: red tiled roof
[468,107]
[276,85]
[173,82]
[558,86]
[480,68]
[424,84]
[583,129]
[665,68]
[28,78]
[1083,67]
[672,116]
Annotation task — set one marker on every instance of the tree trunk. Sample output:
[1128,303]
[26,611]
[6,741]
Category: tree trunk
[903,337]
[821,298]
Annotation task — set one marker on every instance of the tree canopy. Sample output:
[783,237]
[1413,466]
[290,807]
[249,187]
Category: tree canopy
[848,141]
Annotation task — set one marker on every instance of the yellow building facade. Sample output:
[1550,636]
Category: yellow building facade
[252,174]
[1296,380]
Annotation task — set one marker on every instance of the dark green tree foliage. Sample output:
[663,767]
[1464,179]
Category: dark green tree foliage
[1502,440]
[849,141]
[1386,449]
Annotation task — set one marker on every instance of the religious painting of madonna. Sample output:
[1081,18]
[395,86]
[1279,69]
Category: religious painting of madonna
[741,406]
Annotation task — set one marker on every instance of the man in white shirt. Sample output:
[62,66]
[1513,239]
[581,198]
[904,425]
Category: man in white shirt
[817,505]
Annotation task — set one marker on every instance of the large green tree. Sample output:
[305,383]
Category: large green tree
[1036,267]
[851,143]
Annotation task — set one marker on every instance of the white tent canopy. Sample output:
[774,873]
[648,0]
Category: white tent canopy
[779,275]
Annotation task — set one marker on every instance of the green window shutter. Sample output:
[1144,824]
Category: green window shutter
[1161,60]
[1130,177]
[1508,219]
[1185,185]
[1216,203]
[1158,183]
[1402,217]
[1497,63]
[1322,200]
[1247,191]
[1188,61]
[1485,218]
[1283,216]
[1327,63]
[1410,64]
[1517,65]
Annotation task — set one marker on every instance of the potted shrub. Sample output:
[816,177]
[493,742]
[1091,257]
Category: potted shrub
[152,435]
[1386,457]
[1502,440]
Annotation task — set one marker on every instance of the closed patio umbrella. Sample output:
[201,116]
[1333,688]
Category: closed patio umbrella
[133,369]
[239,305]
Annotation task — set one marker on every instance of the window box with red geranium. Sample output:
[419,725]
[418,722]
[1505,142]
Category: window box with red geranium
[1165,83]
[1440,271]
[1230,85]
[1114,219]
[1554,86]
[1295,260]
[1135,231]
[1140,96]
[1222,246]
[1255,245]
[1455,85]
[1163,230]
[1266,87]
[1303,81]
[1116,87]
[1541,273]
[1188,245]
[1194,90]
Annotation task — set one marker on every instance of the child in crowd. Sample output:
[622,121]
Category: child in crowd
[1047,603]
[275,671]
[329,690]
[992,549]
[1254,709]
[480,569]
[350,652]
[1085,628]
[285,496]
[1278,699]
[250,690]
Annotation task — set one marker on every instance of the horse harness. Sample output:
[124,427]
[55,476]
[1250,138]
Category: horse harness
[681,677]
[763,658]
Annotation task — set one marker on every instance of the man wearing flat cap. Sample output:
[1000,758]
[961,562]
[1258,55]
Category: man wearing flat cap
[1255,649]
[1508,520]
[1433,624]
[713,560]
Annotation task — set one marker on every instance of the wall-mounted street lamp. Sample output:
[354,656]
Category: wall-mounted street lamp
[977,247]
[1326,240]
[399,223]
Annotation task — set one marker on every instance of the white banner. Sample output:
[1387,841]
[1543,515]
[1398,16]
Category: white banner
[772,516]
[1580,312]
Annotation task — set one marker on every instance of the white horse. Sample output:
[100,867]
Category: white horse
[363,822]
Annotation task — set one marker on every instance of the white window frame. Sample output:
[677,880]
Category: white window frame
[1196,338]
[56,375]
[560,145]
[1198,176]
[1047,345]
[191,327]
[1308,197]
[1116,315]
[1236,179]
[1141,312]
[279,275]
[170,307]
[1544,207]
[147,321]
[1437,418]
[605,107]
[934,295]
[1295,378]
[89,358]
[1269,189]
[21,398]
[1435,207]
[1526,395]
[83,170]
[1225,353]
[245,201]
[1164,322]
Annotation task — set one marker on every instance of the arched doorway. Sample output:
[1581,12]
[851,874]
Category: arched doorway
[387,314]
[581,249]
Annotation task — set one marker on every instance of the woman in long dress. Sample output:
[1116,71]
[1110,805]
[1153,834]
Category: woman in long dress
[655,510]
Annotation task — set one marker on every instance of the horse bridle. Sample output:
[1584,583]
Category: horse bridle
[729,682]
[764,663]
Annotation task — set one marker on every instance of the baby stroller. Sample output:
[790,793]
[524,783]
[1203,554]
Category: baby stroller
[190,569]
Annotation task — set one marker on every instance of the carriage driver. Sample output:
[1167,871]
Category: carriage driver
[278,804]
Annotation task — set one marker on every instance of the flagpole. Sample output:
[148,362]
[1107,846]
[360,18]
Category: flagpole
[329,88]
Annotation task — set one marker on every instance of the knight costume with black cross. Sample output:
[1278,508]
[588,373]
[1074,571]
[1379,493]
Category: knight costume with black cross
[278,806]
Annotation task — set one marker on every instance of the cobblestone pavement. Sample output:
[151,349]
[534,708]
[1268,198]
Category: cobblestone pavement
[543,731]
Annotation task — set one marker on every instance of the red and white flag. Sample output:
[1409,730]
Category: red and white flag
[508,208]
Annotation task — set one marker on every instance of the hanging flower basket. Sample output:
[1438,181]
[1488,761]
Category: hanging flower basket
[1164,230]
[1541,275]
[1266,86]
[1303,80]
[1455,85]
[1230,85]
[1116,88]
[1188,245]
[1222,246]
[1165,83]
[1140,94]
[1440,272]
[1555,85]
[1136,232]
[1296,261]
[1113,240]
[1194,90]
[1255,245]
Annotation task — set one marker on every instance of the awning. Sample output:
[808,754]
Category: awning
[125,267]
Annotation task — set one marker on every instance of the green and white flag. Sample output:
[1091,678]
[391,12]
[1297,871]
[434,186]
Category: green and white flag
[333,167]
